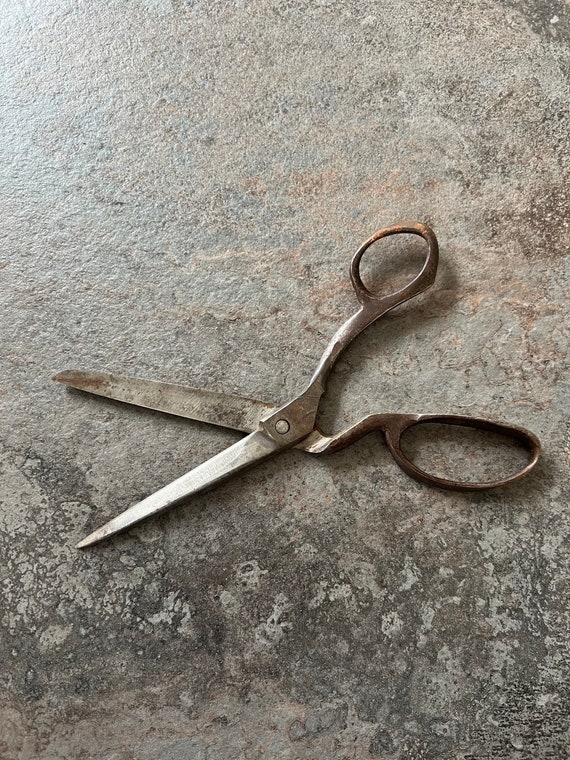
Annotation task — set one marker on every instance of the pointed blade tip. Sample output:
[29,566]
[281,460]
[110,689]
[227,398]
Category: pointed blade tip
[92,538]
[67,376]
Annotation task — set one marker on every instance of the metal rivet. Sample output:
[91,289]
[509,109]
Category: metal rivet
[282,426]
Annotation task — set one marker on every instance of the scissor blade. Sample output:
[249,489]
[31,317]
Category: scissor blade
[223,409]
[226,410]
[252,449]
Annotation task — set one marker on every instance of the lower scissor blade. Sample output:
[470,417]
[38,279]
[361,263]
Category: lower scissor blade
[252,449]
[226,410]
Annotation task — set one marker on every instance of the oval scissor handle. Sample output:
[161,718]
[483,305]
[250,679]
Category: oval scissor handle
[394,428]
[373,306]
[395,425]
[421,282]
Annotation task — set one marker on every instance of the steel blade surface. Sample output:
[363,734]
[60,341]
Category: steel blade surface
[225,410]
[252,449]
[222,409]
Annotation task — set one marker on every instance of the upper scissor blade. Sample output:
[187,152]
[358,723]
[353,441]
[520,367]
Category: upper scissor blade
[246,452]
[226,410]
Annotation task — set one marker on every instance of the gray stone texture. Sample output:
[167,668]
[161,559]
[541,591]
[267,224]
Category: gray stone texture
[182,187]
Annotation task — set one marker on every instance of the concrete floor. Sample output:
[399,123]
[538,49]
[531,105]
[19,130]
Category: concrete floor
[183,184]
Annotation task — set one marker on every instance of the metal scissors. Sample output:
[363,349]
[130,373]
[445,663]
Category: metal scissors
[273,429]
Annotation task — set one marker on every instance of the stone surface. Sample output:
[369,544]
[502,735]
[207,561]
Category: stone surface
[183,184]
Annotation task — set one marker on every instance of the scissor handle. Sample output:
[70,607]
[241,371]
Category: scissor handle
[376,304]
[372,305]
[395,425]
[395,428]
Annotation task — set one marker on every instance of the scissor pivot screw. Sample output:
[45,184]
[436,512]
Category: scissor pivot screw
[282,426]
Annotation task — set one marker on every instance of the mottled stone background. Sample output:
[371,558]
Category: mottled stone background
[182,186]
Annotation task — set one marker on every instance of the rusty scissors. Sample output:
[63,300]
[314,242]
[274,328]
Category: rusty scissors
[271,428]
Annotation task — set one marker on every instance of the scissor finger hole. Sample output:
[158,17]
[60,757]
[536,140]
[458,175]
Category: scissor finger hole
[464,454]
[392,262]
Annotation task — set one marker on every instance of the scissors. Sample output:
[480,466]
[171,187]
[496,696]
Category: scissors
[272,429]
